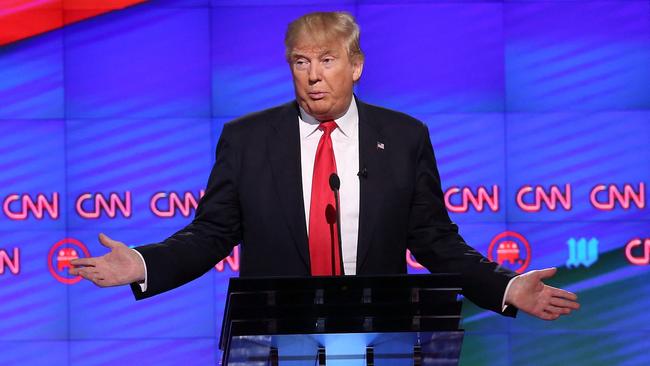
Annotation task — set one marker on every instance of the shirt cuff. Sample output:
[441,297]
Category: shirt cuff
[143,284]
[504,306]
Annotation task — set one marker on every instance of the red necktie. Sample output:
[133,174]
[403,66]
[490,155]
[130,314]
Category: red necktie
[323,231]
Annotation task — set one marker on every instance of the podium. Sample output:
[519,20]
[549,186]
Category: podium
[344,320]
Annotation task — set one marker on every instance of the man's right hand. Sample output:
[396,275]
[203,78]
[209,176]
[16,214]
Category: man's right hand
[121,266]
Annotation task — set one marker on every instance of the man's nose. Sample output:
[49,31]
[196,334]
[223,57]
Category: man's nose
[314,73]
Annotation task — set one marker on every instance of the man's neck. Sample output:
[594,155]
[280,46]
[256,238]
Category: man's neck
[308,118]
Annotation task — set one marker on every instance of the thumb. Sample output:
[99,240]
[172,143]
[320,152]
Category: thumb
[546,273]
[108,242]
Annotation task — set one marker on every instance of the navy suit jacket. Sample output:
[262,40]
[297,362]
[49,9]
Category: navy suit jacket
[254,197]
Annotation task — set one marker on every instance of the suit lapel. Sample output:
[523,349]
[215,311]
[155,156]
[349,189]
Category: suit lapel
[284,155]
[372,162]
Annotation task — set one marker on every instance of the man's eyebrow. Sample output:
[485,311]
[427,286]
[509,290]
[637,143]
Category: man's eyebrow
[326,52]
[297,55]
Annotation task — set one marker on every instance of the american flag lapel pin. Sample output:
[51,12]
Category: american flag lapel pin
[380,145]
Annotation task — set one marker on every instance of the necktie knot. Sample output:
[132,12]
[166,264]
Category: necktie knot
[327,127]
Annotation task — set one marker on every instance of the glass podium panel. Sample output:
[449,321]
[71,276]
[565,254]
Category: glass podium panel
[347,349]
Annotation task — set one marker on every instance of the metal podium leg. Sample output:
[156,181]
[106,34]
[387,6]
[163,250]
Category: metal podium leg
[273,357]
[370,356]
[320,359]
[417,355]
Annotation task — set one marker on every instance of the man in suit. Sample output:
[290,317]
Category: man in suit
[270,190]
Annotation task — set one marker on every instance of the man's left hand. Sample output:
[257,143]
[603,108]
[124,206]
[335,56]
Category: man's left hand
[528,293]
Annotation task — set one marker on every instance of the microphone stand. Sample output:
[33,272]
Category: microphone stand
[335,184]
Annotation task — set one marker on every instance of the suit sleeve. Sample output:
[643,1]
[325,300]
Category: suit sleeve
[209,238]
[436,244]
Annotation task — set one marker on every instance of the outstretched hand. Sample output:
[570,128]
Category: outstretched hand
[532,296]
[120,266]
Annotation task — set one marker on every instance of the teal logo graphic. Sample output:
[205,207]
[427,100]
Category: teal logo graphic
[582,252]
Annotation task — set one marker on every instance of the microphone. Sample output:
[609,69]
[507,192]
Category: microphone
[363,173]
[335,184]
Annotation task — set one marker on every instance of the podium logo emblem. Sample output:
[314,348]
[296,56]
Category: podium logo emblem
[59,257]
[582,252]
[511,250]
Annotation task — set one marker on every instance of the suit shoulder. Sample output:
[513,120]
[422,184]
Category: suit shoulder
[257,120]
[392,119]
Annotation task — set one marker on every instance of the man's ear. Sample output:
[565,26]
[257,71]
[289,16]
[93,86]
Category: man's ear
[357,68]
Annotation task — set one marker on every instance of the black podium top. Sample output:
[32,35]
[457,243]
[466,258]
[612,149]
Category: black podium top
[342,304]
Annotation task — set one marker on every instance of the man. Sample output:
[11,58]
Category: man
[270,190]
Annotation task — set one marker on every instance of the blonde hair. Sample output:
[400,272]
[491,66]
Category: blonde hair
[324,28]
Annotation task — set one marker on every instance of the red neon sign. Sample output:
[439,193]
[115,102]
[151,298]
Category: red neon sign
[63,256]
[7,261]
[541,197]
[186,206]
[101,204]
[510,247]
[634,258]
[26,204]
[232,260]
[479,201]
[614,195]
[411,262]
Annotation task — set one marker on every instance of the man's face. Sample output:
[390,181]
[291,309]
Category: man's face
[323,76]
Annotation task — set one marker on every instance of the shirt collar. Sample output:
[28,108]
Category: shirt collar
[309,124]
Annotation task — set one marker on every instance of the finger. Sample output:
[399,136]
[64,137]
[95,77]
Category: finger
[100,280]
[546,273]
[549,316]
[108,242]
[84,262]
[92,276]
[558,292]
[84,273]
[555,301]
[557,310]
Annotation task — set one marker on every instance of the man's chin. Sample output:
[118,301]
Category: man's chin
[318,112]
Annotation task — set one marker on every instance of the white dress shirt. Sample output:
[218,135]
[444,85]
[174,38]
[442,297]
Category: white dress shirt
[345,142]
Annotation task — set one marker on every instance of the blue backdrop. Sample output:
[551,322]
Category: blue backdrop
[539,113]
